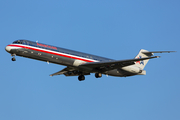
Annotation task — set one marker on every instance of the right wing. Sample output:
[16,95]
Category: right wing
[71,71]
[63,71]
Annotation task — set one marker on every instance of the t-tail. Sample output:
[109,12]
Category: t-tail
[144,53]
[142,64]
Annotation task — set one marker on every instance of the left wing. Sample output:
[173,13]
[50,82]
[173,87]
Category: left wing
[110,65]
[87,68]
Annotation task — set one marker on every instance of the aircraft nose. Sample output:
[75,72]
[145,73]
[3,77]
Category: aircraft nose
[8,48]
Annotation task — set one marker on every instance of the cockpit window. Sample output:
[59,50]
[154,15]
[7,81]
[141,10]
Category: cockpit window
[15,42]
[18,42]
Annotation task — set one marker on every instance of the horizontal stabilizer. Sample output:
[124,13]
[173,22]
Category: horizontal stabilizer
[150,53]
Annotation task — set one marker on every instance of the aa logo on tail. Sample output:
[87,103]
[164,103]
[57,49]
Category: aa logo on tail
[140,62]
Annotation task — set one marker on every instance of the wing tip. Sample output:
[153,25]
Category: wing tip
[157,56]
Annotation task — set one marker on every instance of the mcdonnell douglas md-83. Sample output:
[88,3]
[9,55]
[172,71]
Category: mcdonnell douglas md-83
[81,64]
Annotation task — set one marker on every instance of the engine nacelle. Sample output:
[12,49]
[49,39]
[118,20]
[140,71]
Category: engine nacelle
[132,69]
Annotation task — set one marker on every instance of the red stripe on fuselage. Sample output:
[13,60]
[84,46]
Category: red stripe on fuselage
[49,52]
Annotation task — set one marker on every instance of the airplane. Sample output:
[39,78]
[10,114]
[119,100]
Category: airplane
[81,64]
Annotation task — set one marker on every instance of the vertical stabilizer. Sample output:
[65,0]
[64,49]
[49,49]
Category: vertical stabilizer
[142,64]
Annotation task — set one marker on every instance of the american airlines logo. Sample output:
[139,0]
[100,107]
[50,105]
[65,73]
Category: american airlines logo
[140,62]
[47,46]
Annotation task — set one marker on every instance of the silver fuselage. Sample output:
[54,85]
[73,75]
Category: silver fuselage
[61,56]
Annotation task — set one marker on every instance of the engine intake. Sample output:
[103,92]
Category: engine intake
[132,69]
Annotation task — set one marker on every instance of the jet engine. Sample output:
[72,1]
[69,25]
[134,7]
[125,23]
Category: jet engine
[132,69]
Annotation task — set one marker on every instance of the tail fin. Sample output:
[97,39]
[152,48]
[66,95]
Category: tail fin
[144,53]
[141,54]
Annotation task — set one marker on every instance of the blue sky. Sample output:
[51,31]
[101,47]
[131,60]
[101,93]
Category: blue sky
[113,29]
